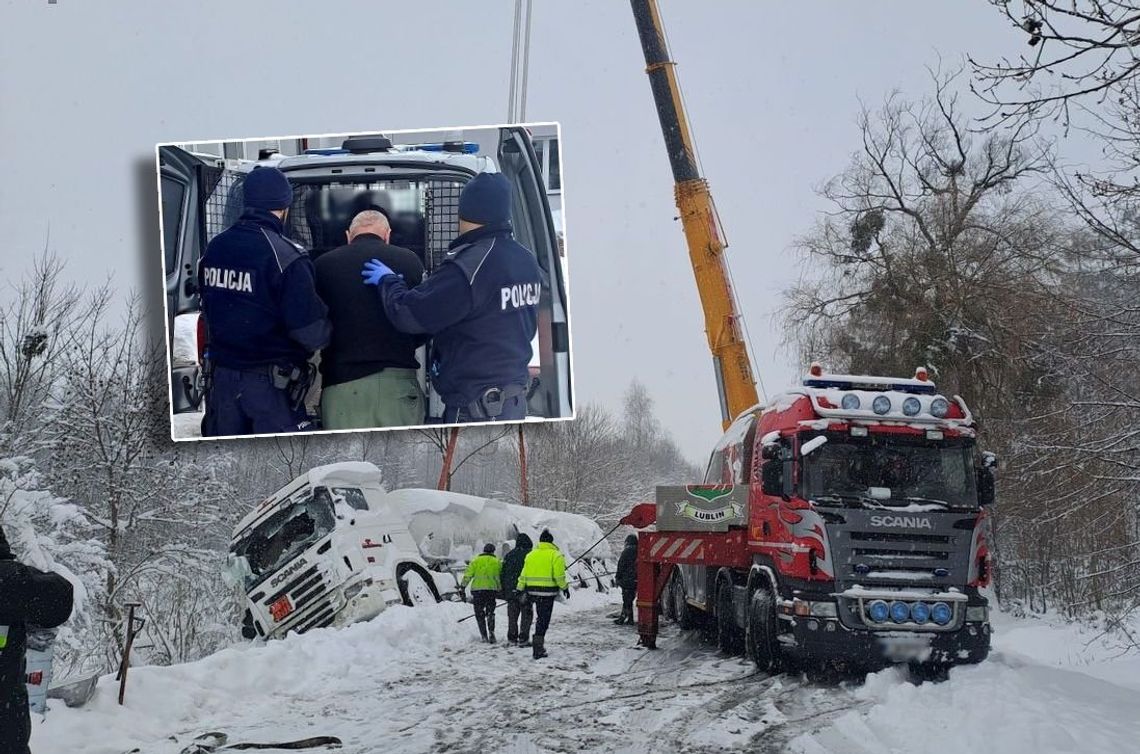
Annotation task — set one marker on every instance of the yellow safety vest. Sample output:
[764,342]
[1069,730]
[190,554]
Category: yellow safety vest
[544,570]
[483,573]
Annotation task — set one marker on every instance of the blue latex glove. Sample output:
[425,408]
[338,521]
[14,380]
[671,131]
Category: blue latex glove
[375,271]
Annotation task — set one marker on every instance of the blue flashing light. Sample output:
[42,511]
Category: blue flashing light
[900,612]
[878,611]
[941,572]
[941,613]
[920,612]
[327,150]
[881,405]
[458,147]
[862,568]
[851,402]
[911,406]
[939,407]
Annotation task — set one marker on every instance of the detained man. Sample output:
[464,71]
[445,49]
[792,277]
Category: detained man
[368,370]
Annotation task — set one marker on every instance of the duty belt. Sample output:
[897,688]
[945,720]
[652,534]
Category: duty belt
[490,404]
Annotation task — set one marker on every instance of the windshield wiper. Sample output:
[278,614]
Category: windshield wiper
[832,497]
[929,500]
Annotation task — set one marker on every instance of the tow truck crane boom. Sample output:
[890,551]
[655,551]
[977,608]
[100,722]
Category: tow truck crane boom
[736,386]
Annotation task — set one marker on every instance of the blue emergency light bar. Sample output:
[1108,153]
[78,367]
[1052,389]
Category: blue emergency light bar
[327,150]
[905,387]
[457,147]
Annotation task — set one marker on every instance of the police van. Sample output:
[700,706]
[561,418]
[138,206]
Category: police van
[418,187]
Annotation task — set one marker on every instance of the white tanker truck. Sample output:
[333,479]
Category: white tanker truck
[333,547]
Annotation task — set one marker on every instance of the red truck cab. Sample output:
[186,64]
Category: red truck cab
[840,523]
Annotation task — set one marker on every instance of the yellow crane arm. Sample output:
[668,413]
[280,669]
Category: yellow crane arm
[736,386]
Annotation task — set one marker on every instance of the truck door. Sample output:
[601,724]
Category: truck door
[534,228]
[199,198]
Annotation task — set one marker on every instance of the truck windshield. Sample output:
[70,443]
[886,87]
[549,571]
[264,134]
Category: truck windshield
[893,470]
[283,536]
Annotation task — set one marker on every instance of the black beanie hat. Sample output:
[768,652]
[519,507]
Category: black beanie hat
[523,540]
[546,536]
[631,540]
[488,549]
[267,188]
[486,199]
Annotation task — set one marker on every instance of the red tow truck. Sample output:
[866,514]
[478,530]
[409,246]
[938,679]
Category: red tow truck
[842,523]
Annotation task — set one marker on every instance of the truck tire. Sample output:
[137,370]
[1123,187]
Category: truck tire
[416,587]
[728,635]
[760,640]
[247,628]
[685,615]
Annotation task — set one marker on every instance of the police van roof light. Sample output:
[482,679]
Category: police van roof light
[921,375]
[365,144]
[816,369]
[454,147]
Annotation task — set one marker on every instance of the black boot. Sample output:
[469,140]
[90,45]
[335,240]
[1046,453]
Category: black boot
[539,647]
[524,641]
[491,637]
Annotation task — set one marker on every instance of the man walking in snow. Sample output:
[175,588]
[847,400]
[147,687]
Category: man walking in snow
[483,574]
[543,577]
[519,611]
[28,598]
[627,578]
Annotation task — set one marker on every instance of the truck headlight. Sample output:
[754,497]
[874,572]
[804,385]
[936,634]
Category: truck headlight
[352,590]
[824,609]
[977,614]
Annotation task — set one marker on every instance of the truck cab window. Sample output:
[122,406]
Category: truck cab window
[284,536]
[887,470]
[351,496]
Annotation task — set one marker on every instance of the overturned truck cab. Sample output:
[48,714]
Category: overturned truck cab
[841,524]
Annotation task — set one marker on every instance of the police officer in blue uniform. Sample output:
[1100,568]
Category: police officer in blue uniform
[480,306]
[264,319]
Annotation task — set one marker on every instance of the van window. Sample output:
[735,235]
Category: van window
[424,213]
[173,194]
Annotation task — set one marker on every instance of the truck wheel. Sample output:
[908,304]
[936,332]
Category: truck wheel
[728,637]
[416,588]
[760,642]
[686,618]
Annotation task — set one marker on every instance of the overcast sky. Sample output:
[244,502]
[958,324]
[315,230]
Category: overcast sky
[87,88]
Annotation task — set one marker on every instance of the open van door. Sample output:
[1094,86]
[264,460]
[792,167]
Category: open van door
[200,198]
[534,229]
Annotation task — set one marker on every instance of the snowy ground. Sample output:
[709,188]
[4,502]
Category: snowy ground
[414,680]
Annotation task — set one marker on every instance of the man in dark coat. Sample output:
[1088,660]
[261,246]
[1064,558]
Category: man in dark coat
[520,614]
[368,370]
[264,319]
[29,598]
[480,306]
[627,578]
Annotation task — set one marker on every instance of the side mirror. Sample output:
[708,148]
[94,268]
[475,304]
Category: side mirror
[772,477]
[986,485]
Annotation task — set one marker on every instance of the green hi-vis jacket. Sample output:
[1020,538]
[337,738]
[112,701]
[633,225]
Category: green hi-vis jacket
[483,573]
[544,571]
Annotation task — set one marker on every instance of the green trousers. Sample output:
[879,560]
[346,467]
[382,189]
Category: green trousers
[391,398]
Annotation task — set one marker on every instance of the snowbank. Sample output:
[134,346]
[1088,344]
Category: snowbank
[1047,687]
[281,690]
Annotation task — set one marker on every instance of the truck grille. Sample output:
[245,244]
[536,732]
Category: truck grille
[312,604]
[890,558]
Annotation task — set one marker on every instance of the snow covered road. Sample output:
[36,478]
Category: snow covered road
[414,680]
